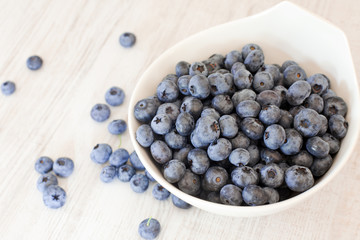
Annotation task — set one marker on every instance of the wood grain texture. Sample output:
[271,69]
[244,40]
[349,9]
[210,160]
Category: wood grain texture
[49,115]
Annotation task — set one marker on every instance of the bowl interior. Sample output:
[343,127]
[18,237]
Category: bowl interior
[284,32]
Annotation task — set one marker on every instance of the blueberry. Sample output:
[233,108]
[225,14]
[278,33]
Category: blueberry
[144,135]
[207,130]
[174,170]
[286,64]
[270,156]
[127,39]
[179,203]
[296,109]
[174,140]
[248,108]
[272,175]
[237,118]
[54,197]
[243,176]
[212,197]
[182,68]
[119,157]
[212,65]
[45,181]
[239,157]
[324,125]
[219,59]
[161,124]
[270,114]
[126,172]
[34,63]
[321,165]
[307,122]
[171,77]
[44,165]
[8,88]
[197,68]
[149,228]
[262,81]
[248,48]
[219,149]
[329,93]
[170,109]
[100,112]
[274,136]
[314,101]
[254,60]
[299,178]
[293,142]
[190,183]
[236,67]
[240,141]
[183,84]
[139,183]
[193,106]
[252,128]
[335,105]
[215,178]
[333,142]
[303,158]
[63,167]
[182,153]
[167,91]
[210,112]
[298,92]
[254,155]
[281,91]
[101,153]
[117,127]
[338,126]
[228,126]
[257,167]
[108,173]
[317,147]
[147,174]
[273,195]
[274,72]
[243,79]
[114,96]
[220,83]
[286,120]
[185,124]
[198,161]
[254,195]
[245,94]
[292,74]
[231,195]
[160,151]
[135,162]
[269,97]
[319,83]
[222,104]
[145,110]
[159,192]
[232,57]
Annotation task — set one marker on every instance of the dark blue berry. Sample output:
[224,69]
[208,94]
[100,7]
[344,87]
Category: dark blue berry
[243,176]
[219,149]
[193,106]
[269,97]
[208,111]
[170,109]
[185,124]
[135,162]
[160,151]
[167,91]
[160,193]
[114,96]
[101,153]
[333,142]
[292,74]
[190,183]
[286,64]
[254,155]
[34,63]
[319,83]
[248,108]
[321,165]
[239,157]
[286,120]
[317,147]
[245,94]
[274,136]
[338,126]
[303,158]
[243,79]
[182,68]
[298,92]
[149,228]
[232,57]
[126,172]
[273,195]
[44,165]
[145,110]
[174,170]
[108,173]
[182,153]
[262,81]
[335,105]
[293,142]
[240,141]
[144,135]
[54,197]
[127,39]
[215,178]
[198,68]
[231,195]
[270,114]
[254,195]
[63,167]
[222,104]
[299,178]
[252,128]
[161,124]
[248,48]
[45,181]
[272,175]
[314,101]
[117,127]
[236,67]
[8,88]
[228,126]
[139,183]
[174,140]
[254,60]
[100,112]
[198,161]
[220,83]
[307,122]
[270,156]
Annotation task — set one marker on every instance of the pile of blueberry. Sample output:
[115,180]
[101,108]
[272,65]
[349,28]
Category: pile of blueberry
[53,195]
[234,130]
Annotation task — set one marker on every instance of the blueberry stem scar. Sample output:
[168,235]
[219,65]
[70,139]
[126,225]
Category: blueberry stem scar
[148,222]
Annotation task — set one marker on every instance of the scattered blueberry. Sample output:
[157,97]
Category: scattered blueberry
[126,172]
[54,197]
[179,203]
[34,63]
[100,112]
[101,153]
[8,87]
[45,181]
[119,157]
[114,96]
[117,127]
[135,162]
[139,183]
[108,173]
[159,192]
[44,165]
[149,228]
[63,167]
[127,39]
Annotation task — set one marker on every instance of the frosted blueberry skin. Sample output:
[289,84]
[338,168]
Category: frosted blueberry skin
[145,110]
[269,97]
[270,156]
[220,83]
[303,158]
[239,157]
[198,68]
[8,88]
[127,39]
[246,49]
[338,126]
[160,151]
[183,84]
[126,172]
[117,127]
[286,120]
[314,101]
[272,175]
[182,154]
[262,81]
[63,167]
[108,173]
[299,178]
[243,176]
[254,155]
[274,72]
[321,165]
[34,63]
[273,195]
[114,96]
[317,147]
[252,128]
[179,203]
[182,68]
[231,195]
[209,111]
[333,142]
[212,65]
[144,135]
[254,195]
[228,126]
[119,157]
[281,91]
[231,58]
[307,122]
[54,197]
[236,67]
[161,124]
[335,105]
[185,124]
[292,74]
[190,183]
[139,183]
[198,161]
[319,83]
[100,112]
[240,141]
[149,229]
[167,91]
[160,193]
[245,94]
[193,106]
[274,136]
[174,140]
[222,104]
[293,143]
[254,60]
[298,92]
[174,170]
[219,149]
[248,108]
[101,153]
[286,64]
[215,178]
[270,114]
[45,181]
[170,109]
[44,165]
[243,79]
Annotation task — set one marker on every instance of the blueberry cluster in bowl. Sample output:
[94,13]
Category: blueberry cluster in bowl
[234,130]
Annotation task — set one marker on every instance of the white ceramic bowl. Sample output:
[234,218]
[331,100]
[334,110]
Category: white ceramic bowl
[284,32]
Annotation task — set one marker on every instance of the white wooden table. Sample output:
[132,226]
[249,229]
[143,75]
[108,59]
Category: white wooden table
[49,115]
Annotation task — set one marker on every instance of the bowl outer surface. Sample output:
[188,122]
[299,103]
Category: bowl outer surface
[284,32]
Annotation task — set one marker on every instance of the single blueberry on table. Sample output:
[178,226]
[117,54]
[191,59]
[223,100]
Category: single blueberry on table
[174,170]
[190,183]
[159,192]
[198,161]
[243,176]
[63,167]
[108,173]
[44,165]
[34,63]
[179,203]
[45,181]
[8,88]
[299,178]
[117,127]
[149,228]
[144,135]
[54,197]
[135,162]
[231,195]
[119,157]
[160,152]
[101,153]
[215,178]
[100,112]
[126,172]
[127,39]
[254,195]
[139,183]
[114,96]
